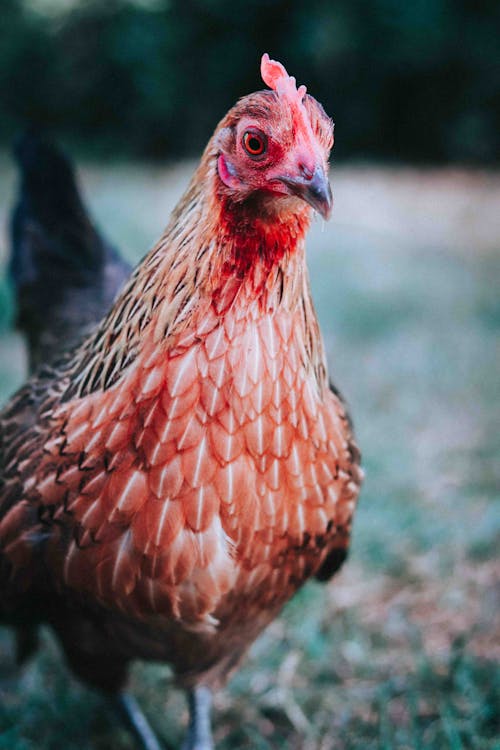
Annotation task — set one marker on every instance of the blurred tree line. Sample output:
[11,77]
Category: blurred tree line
[416,80]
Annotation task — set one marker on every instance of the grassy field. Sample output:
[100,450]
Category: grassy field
[400,651]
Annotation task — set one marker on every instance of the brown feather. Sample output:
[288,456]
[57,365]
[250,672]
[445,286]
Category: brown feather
[189,463]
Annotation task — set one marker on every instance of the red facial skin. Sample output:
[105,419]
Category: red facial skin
[293,149]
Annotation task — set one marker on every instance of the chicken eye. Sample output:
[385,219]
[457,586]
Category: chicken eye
[255,144]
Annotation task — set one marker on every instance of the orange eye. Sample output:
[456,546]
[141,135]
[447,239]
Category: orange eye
[254,143]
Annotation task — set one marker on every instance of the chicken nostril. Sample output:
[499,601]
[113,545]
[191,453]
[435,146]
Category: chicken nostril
[305,171]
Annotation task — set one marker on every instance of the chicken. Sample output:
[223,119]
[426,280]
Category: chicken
[64,273]
[171,483]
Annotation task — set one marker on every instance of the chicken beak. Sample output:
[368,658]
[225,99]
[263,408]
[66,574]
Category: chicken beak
[314,189]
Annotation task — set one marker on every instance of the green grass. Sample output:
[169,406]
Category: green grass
[400,651]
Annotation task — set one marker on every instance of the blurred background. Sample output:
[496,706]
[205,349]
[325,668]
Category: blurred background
[417,81]
[402,649]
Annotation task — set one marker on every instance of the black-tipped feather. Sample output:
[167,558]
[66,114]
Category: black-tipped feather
[65,274]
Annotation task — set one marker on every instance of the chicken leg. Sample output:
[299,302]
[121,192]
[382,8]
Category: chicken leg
[199,736]
[135,720]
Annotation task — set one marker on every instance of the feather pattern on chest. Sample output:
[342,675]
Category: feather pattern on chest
[194,461]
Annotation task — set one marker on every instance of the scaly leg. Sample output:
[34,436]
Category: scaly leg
[130,711]
[105,670]
[199,736]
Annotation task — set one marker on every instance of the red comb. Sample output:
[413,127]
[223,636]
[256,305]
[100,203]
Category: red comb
[275,76]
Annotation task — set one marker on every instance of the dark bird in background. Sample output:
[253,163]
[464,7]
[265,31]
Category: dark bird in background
[172,480]
[64,273]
